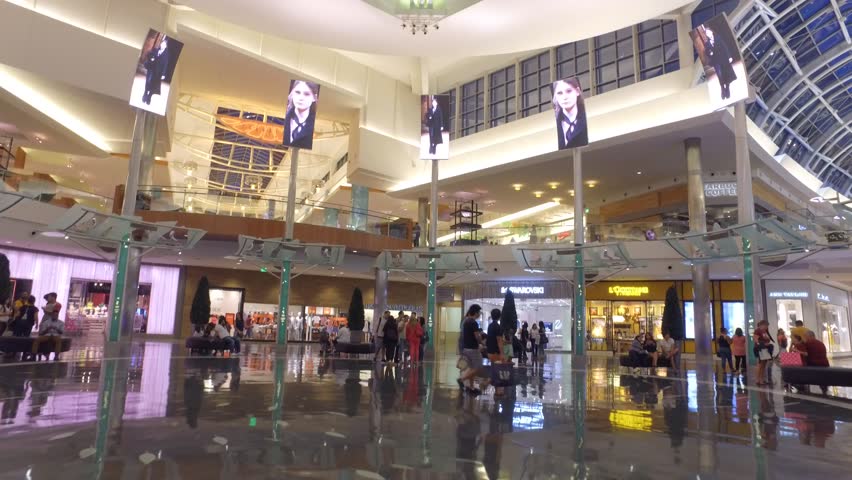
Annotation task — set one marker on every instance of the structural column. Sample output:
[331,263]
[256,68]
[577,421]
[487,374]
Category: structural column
[360,206]
[380,298]
[287,265]
[579,271]
[700,271]
[125,284]
[432,282]
[752,288]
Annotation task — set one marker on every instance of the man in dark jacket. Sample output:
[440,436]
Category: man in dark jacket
[156,66]
[435,123]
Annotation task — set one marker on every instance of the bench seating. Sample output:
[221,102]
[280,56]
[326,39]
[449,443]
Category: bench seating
[822,376]
[355,348]
[205,345]
[25,345]
[624,361]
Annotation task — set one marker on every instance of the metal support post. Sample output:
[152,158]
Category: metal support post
[125,285]
[752,288]
[286,265]
[579,346]
[700,272]
[432,284]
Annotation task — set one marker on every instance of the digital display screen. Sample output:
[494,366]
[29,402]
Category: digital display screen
[569,109]
[153,79]
[720,55]
[434,127]
[300,119]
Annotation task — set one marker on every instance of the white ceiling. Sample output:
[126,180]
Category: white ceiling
[487,28]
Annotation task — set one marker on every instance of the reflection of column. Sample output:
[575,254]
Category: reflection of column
[578,392]
[111,399]
[752,289]
[706,418]
[422,216]
[278,399]
[125,283]
[360,204]
[284,302]
[700,271]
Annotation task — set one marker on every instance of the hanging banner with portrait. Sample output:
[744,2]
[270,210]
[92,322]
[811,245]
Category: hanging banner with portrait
[435,127]
[301,114]
[720,55]
[570,112]
[154,71]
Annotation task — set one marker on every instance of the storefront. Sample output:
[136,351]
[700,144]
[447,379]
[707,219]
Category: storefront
[83,286]
[546,301]
[823,308]
[618,311]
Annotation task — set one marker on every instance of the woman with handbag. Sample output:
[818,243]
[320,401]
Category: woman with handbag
[723,350]
[763,349]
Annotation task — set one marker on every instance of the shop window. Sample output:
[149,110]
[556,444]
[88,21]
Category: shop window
[472,107]
[733,317]
[572,60]
[833,323]
[658,48]
[452,123]
[789,311]
[689,319]
[502,96]
[614,65]
[535,84]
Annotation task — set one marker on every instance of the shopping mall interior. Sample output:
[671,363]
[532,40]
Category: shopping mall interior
[158,156]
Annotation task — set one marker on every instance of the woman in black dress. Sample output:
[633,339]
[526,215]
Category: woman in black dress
[435,123]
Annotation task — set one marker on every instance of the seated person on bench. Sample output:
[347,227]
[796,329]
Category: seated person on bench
[668,349]
[638,355]
[50,330]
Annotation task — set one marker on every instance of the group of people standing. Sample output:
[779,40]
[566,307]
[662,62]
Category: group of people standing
[400,338]
[18,319]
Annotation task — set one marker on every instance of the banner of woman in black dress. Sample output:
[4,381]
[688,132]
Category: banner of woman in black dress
[301,114]
[435,127]
[723,63]
[154,72]
[570,111]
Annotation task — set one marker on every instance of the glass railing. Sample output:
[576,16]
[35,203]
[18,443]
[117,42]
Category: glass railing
[269,207]
[60,194]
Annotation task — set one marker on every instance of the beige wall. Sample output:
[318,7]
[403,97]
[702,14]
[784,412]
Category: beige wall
[305,290]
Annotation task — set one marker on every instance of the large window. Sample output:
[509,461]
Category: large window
[502,96]
[708,9]
[452,125]
[733,316]
[473,107]
[658,49]
[572,60]
[689,319]
[535,84]
[614,60]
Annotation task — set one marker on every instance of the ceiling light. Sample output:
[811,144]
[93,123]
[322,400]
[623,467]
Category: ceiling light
[639,172]
[538,194]
[180,253]
[571,192]
[517,186]
[554,185]
[557,199]
[354,251]
[592,183]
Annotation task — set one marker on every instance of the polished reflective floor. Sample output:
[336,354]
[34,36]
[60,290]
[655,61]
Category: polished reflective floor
[160,414]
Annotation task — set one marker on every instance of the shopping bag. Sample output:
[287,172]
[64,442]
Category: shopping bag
[791,359]
[502,374]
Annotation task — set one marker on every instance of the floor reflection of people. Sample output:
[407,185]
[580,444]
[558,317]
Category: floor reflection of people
[352,393]
[468,437]
[768,421]
[193,393]
[675,412]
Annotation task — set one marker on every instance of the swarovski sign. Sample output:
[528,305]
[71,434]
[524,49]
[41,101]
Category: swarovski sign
[720,189]
[522,290]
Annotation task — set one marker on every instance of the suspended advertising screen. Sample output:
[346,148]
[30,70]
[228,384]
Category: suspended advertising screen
[154,72]
[435,127]
[301,114]
[723,63]
[570,111]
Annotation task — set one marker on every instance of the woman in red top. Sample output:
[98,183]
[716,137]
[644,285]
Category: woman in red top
[738,348]
[413,333]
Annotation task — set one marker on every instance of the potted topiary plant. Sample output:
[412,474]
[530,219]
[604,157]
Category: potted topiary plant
[199,312]
[509,315]
[355,317]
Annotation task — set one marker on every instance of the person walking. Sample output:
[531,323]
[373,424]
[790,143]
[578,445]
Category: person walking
[534,337]
[379,336]
[424,339]
[402,350]
[762,350]
[391,339]
[738,349]
[494,338]
[471,357]
[413,333]
[723,349]
[525,337]
[415,235]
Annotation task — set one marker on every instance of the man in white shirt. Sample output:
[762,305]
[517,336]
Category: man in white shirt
[50,330]
[668,348]
[344,335]
[221,331]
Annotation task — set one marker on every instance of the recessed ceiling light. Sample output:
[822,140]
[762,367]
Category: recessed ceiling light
[557,199]
[571,192]
[518,186]
[8,242]
[354,251]
[592,184]
[553,185]
[639,172]
[538,194]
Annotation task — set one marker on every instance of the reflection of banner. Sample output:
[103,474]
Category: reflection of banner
[435,127]
[720,55]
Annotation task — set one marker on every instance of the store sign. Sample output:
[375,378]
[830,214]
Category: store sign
[623,291]
[720,189]
[522,290]
[788,294]
[823,298]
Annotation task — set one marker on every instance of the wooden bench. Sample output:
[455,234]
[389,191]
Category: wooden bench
[822,376]
[205,345]
[25,345]
[624,361]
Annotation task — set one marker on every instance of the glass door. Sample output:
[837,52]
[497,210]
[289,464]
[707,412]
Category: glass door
[655,319]
[598,329]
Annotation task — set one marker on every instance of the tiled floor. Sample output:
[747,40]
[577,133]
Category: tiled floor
[159,414]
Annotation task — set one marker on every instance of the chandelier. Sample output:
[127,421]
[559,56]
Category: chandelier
[420,16]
